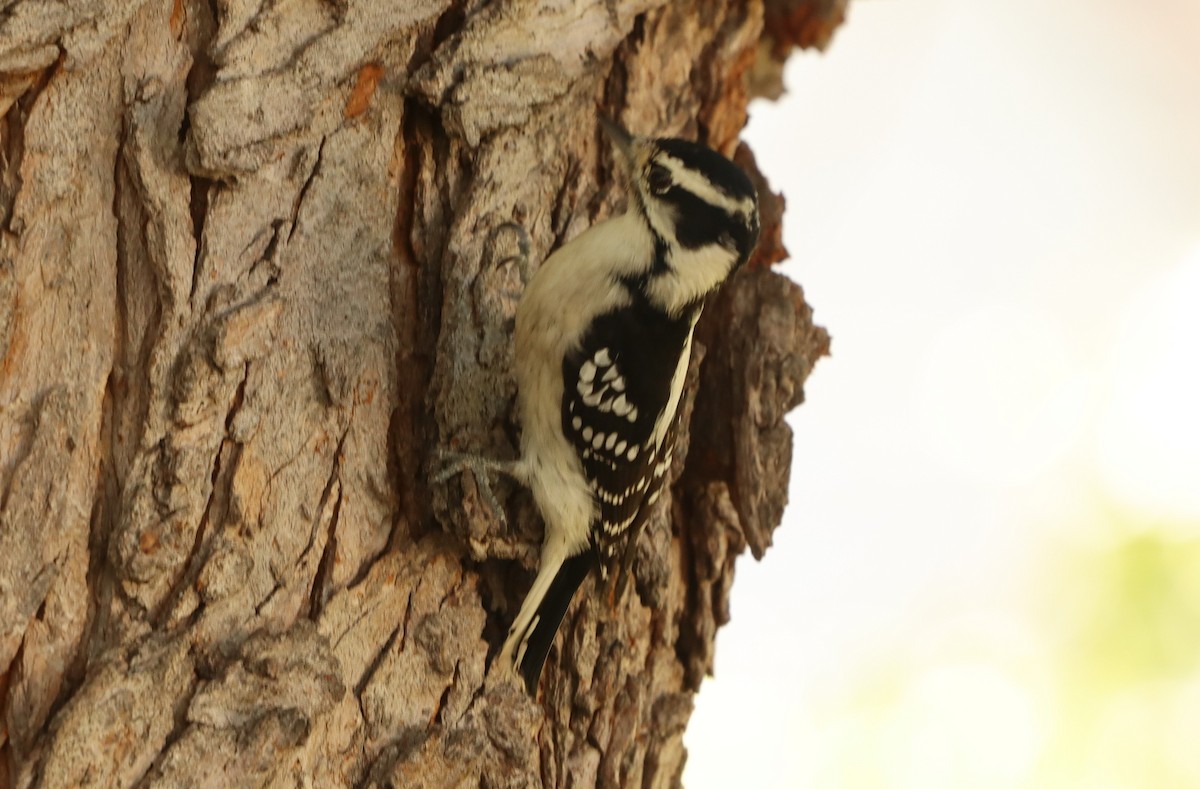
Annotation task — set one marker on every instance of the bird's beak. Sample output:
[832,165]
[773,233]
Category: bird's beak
[621,138]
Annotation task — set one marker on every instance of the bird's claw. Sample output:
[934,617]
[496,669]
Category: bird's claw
[455,463]
[523,247]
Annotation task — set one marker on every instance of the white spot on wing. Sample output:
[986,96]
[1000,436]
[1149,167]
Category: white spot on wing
[602,358]
[621,406]
[587,372]
[633,453]
[611,442]
[577,422]
[611,374]
[587,433]
[621,447]
[598,441]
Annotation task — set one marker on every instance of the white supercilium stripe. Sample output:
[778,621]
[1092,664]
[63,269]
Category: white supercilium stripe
[700,186]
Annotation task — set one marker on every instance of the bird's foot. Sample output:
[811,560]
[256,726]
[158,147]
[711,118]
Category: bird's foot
[454,463]
[523,247]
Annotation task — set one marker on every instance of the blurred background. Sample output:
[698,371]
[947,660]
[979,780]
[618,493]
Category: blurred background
[989,575]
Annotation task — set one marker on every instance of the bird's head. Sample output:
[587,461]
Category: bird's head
[691,197]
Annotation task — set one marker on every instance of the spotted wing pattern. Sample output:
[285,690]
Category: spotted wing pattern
[615,387]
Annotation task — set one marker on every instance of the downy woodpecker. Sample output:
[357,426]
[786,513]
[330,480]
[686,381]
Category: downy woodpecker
[602,345]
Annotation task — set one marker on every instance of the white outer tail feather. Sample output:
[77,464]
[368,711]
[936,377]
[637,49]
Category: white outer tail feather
[513,652]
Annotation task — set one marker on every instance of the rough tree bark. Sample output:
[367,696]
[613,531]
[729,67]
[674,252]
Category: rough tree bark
[249,281]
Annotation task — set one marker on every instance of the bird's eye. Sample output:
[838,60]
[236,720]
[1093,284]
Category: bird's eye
[659,179]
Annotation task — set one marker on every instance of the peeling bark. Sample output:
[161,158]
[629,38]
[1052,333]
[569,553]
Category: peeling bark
[251,276]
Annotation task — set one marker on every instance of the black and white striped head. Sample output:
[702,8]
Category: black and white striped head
[701,208]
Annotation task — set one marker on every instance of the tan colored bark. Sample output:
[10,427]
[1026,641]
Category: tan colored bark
[249,281]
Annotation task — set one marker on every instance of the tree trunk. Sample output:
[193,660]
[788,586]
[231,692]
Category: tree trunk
[250,280]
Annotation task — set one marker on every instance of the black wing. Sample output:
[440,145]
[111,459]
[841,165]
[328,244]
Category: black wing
[615,386]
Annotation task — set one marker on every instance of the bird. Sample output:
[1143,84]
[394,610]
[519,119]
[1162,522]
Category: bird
[602,344]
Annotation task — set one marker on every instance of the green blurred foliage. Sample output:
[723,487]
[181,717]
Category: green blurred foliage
[1127,668]
[1141,620]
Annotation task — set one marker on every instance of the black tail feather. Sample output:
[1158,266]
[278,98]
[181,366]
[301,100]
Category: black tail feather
[550,615]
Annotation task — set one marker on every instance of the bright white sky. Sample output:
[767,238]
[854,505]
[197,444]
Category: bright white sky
[994,207]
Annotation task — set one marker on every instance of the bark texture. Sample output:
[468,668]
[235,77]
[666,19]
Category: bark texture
[250,280]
